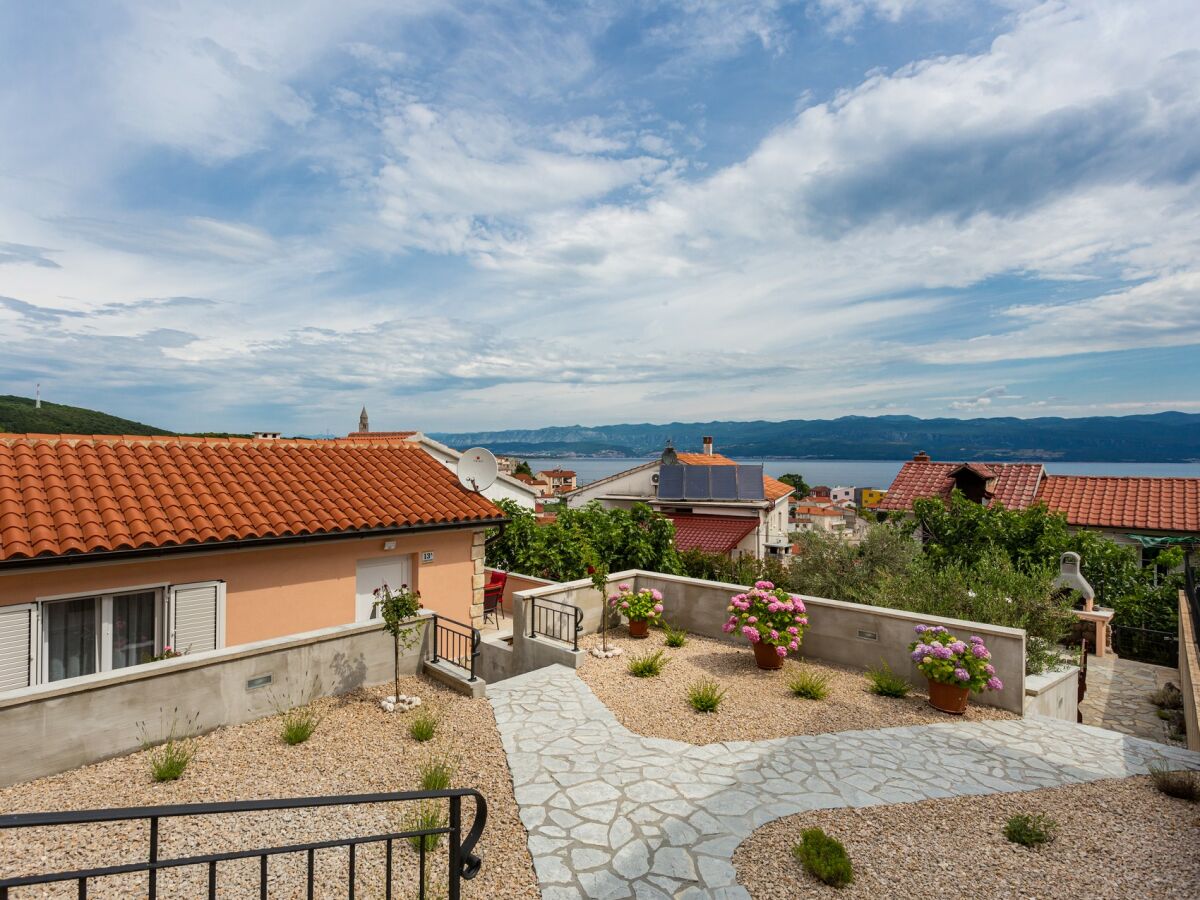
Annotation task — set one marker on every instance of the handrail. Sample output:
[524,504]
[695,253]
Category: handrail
[464,863]
[459,640]
[562,618]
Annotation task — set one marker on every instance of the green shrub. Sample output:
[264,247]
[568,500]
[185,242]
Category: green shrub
[1167,697]
[298,725]
[427,816]
[647,665]
[169,760]
[824,857]
[436,774]
[887,683]
[422,727]
[675,637]
[1030,831]
[705,696]
[810,685]
[1181,783]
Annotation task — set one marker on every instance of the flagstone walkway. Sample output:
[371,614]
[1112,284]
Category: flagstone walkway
[612,814]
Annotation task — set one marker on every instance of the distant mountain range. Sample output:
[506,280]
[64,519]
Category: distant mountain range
[1162,437]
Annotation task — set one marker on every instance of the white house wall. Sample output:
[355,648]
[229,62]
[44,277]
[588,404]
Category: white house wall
[636,482]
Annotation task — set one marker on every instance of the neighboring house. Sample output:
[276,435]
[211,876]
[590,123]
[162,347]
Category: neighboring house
[868,498]
[507,464]
[1129,510]
[560,480]
[505,487]
[113,547]
[734,512]
[818,517]
[841,496]
[820,491]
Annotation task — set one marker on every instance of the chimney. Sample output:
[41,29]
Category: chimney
[707,445]
[921,456]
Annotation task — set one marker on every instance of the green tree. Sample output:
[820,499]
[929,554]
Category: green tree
[522,468]
[398,609]
[797,481]
[616,539]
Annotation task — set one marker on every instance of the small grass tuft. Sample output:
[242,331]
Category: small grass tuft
[810,685]
[1181,783]
[427,816]
[436,774]
[824,857]
[169,760]
[705,695]
[647,665]
[298,725]
[887,683]
[675,637]
[1030,831]
[422,727]
[1167,697]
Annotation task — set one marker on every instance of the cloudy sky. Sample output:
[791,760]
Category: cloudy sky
[489,214]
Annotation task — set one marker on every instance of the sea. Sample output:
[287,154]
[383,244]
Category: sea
[872,473]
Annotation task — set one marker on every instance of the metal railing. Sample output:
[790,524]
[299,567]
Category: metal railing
[454,643]
[1159,648]
[463,863]
[555,619]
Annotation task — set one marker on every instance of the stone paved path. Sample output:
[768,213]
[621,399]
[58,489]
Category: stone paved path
[1118,697]
[613,814]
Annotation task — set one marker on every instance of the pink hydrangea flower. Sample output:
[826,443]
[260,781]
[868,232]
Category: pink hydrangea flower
[658,607]
[764,585]
[793,630]
[794,646]
[624,587]
[753,620]
[782,651]
[774,635]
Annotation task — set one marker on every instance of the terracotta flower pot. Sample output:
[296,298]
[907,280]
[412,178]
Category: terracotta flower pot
[639,628]
[767,656]
[949,698]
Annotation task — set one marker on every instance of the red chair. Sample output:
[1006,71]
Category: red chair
[493,597]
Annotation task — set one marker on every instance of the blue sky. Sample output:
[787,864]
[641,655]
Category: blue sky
[484,215]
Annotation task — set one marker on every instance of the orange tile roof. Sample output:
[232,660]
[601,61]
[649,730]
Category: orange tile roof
[1016,483]
[773,488]
[368,437]
[76,494]
[713,534]
[558,473]
[1157,504]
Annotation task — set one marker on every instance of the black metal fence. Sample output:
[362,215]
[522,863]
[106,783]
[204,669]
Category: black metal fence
[455,643]
[1160,648]
[463,863]
[555,619]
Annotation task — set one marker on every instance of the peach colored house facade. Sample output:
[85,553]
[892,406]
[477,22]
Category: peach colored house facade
[65,614]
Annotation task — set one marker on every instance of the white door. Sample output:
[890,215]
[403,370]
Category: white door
[374,573]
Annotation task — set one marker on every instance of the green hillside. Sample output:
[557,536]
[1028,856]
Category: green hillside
[17,414]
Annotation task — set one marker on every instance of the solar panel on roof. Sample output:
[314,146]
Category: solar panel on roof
[750,483]
[723,482]
[670,482]
[696,483]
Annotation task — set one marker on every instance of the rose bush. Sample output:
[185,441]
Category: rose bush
[637,606]
[769,615]
[943,658]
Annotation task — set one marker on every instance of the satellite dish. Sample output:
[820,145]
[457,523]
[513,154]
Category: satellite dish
[477,469]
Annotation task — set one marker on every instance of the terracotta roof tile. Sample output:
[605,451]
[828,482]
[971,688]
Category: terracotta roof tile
[713,534]
[1156,504]
[1016,483]
[375,437]
[66,494]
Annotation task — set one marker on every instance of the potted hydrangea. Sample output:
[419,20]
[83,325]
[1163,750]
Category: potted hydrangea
[641,608]
[771,619]
[954,668]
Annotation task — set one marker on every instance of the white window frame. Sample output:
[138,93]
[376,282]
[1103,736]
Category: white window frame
[41,639]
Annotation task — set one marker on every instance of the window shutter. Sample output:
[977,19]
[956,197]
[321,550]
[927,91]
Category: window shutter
[196,616]
[16,655]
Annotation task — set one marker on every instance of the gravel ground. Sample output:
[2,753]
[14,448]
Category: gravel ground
[1116,839]
[357,748]
[757,704]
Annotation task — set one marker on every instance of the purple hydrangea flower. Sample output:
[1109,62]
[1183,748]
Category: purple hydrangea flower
[995,684]
[921,629]
[962,674]
[942,652]
[981,652]
[958,647]
[990,669]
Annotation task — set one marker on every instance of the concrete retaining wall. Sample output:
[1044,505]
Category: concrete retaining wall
[56,727]
[1189,671]
[850,634]
[1054,695]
